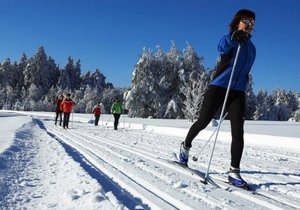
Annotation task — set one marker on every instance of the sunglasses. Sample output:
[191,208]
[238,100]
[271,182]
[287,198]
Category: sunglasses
[248,21]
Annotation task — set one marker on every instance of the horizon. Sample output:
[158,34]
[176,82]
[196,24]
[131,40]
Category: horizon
[110,36]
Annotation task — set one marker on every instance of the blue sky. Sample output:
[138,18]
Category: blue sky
[110,34]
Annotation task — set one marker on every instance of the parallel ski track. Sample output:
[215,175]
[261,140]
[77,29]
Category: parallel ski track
[163,200]
[211,201]
[149,156]
[240,193]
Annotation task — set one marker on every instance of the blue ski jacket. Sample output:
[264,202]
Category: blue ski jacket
[228,50]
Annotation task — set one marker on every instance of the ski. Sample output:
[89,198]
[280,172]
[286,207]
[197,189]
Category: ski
[193,172]
[248,187]
[213,180]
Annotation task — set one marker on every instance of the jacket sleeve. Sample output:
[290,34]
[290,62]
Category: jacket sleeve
[226,44]
[112,108]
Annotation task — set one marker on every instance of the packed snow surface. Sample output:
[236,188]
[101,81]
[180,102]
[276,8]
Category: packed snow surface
[43,166]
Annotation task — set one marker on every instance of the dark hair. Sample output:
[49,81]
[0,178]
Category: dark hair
[241,14]
[68,94]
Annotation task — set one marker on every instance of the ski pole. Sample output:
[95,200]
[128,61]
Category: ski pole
[123,121]
[72,118]
[195,158]
[222,112]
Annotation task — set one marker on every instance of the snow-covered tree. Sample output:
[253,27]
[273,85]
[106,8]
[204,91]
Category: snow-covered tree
[37,71]
[265,109]
[70,75]
[95,80]
[193,91]
[161,81]
[250,100]
[194,82]
[6,73]
[285,104]
[143,94]
[296,114]
[54,72]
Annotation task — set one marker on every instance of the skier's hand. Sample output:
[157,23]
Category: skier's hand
[240,36]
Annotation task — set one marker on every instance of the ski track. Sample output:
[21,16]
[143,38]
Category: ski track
[24,183]
[133,160]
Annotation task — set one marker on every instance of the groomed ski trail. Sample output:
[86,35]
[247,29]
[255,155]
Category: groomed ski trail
[92,143]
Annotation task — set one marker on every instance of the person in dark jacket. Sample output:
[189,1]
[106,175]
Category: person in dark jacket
[240,30]
[97,112]
[58,111]
[67,106]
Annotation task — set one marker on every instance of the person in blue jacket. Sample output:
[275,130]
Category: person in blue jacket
[240,30]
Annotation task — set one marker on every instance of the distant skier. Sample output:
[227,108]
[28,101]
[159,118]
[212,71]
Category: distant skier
[97,112]
[58,110]
[116,110]
[67,106]
[239,33]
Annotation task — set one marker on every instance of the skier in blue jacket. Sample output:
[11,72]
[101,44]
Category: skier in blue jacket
[240,30]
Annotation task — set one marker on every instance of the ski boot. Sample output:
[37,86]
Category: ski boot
[184,154]
[235,178]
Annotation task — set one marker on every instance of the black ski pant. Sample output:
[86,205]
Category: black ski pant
[58,114]
[235,106]
[97,117]
[116,122]
[66,119]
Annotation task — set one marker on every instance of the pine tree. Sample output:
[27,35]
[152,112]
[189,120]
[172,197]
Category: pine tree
[142,94]
[194,82]
[54,72]
[250,100]
[265,109]
[285,104]
[70,76]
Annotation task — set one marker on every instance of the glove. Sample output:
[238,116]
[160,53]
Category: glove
[240,36]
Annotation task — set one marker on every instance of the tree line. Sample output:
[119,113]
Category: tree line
[34,83]
[164,85]
[171,85]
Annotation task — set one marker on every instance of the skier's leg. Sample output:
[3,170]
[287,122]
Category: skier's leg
[115,122]
[236,111]
[67,119]
[60,118]
[96,119]
[56,117]
[118,118]
[213,99]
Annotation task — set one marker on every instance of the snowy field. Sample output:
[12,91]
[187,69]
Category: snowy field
[43,166]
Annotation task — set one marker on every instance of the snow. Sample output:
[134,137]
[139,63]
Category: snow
[43,166]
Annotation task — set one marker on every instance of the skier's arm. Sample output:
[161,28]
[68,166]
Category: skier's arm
[112,108]
[226,44]
[62,105]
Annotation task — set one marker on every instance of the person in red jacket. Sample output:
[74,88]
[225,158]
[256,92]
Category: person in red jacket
[97,112]
[58,111]
[67,106]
